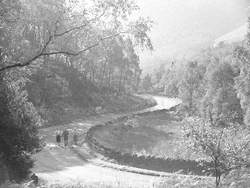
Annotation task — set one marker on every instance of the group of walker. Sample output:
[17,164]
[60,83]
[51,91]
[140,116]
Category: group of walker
[65,136]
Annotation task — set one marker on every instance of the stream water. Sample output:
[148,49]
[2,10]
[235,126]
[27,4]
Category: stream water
[162,103]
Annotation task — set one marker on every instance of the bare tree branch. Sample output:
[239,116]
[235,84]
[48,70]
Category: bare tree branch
[28,62]
[83,50]
[80,26]
[44,53]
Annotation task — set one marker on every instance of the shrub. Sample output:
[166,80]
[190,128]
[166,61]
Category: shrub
[227,148]
[18,128]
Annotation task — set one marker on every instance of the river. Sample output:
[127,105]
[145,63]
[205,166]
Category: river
[162,103]
[61,166]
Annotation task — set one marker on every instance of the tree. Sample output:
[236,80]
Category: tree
[19,120]
[242,58]
[220,104]
[18,127]
[84,31]
[147,83]
[226,148]
[48,41]
[242,81]
[189,86]
[158,73]
[170,81]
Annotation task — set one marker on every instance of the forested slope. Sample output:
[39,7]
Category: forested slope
[62,90]
[59,60]
[214,89]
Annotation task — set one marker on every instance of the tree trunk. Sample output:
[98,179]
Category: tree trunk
[217,173]
[103,73]
[120,81]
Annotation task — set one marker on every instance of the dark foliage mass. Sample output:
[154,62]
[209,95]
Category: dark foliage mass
[18,131]
[57,60]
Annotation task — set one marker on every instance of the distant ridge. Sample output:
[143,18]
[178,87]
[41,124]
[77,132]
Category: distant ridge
[237,35]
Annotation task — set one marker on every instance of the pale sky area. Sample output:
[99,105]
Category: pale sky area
[183,27]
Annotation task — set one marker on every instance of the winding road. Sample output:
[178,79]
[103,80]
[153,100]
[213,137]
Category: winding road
[66,166]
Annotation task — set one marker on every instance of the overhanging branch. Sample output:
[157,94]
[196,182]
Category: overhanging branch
[80,26]
[44,53]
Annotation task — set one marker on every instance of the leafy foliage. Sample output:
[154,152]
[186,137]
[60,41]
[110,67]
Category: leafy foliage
[220,104]
[210,86]
[147,83]
[66,52]
[242,80]
[227,148]
[18,128]
[189,86]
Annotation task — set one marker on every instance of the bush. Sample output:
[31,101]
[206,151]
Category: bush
[227,148]
[18,128]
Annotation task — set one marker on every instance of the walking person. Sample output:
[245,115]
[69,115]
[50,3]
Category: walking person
[58,137]
[65,135]
[75,137]
[35,179]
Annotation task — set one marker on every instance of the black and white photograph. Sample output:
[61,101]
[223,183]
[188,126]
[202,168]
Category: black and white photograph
[124,93]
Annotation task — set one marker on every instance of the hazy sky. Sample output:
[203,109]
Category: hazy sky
[185,26]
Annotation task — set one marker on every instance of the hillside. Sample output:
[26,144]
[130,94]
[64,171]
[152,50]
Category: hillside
[234,36]
[62,93]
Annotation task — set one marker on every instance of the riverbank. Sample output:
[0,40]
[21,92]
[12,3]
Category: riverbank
[59,155]
[75,165]
[111,105]
[149,140]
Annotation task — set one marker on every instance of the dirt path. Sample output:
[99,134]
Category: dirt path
[59,165]
[78,164]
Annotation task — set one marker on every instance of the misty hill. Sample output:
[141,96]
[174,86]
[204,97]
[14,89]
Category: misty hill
[237,35]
